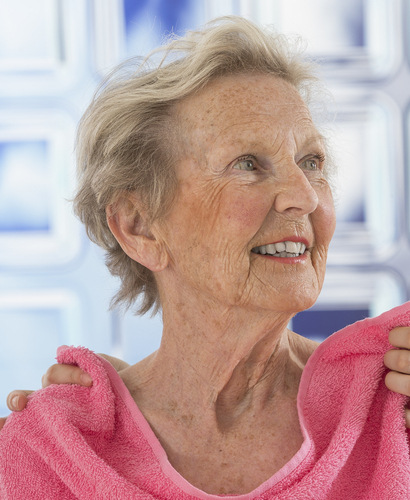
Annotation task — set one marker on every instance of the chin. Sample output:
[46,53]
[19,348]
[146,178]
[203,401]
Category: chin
[295,305]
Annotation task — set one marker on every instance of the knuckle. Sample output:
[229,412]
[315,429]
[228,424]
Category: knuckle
[403,361]
[389,380]
[398,360]
[10,398]
[406,386]
[397,382]
[400,337]
[73,375]
[389,358]
[50,376]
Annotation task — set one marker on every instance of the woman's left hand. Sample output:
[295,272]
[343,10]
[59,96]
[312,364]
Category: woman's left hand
[398,360]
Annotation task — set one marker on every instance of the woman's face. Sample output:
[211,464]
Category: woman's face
[254,215]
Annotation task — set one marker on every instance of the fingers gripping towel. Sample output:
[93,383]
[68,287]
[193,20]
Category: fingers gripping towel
[94,443]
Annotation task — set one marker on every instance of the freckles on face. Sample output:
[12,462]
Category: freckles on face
[248,176]
[212,225]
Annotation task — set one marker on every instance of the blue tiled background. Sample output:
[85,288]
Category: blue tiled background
[54,287]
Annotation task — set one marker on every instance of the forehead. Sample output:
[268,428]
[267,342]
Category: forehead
[250,106]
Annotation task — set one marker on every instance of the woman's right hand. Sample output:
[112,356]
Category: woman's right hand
[58,374]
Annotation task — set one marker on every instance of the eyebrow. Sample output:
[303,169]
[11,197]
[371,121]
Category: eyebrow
[314,138]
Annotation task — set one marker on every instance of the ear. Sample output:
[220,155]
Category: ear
[130,228]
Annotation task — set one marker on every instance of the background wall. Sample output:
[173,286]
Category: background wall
[54,288]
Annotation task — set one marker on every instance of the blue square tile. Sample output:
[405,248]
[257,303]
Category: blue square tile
[25,188]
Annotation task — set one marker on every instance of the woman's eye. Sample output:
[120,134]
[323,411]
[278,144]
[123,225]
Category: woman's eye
[311,164]
[245,164]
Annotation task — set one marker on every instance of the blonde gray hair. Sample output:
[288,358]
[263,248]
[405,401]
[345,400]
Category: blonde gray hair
[126,140]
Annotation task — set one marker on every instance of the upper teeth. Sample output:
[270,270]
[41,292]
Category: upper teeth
[284,248]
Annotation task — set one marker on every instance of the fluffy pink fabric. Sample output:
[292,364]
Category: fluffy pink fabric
[94,443]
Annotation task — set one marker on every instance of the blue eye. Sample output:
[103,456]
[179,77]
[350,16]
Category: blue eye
[313,163]
[247,164]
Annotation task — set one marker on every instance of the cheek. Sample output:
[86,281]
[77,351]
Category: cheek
[330,219]
[324,218]
[245,214]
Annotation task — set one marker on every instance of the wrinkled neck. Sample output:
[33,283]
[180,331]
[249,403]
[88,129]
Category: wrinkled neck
[229,360]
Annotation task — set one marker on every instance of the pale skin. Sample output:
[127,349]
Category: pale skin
[220,392]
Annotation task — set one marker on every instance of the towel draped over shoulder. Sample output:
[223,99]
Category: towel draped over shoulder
[74,442]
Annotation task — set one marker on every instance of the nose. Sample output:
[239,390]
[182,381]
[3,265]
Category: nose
[295,194]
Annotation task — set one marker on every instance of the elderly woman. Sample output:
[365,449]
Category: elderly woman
[207,182]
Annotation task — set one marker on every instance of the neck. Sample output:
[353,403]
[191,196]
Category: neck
[226,362]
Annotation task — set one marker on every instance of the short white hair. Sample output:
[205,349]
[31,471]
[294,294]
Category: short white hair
[126,138]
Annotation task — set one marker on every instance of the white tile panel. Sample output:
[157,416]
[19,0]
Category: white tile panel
[407,174]
[362,140]
[377,291]
[29,35]
[354,39]
[55,235]
[43,45]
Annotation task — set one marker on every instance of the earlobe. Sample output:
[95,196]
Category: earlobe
[134,235]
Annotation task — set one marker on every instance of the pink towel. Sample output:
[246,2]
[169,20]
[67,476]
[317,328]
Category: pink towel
[94,443]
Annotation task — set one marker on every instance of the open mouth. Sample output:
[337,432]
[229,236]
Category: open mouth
[282,249]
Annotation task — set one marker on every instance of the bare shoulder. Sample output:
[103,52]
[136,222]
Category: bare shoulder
[302,347]
[136,377]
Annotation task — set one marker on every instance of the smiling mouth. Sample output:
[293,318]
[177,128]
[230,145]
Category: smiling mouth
[282,249]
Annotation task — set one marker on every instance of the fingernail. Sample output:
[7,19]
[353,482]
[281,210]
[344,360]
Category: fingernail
[15,402]
[86,379]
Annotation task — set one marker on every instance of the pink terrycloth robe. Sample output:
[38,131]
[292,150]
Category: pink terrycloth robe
[94,443]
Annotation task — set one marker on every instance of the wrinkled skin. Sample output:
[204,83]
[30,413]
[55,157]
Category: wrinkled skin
[251,171]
